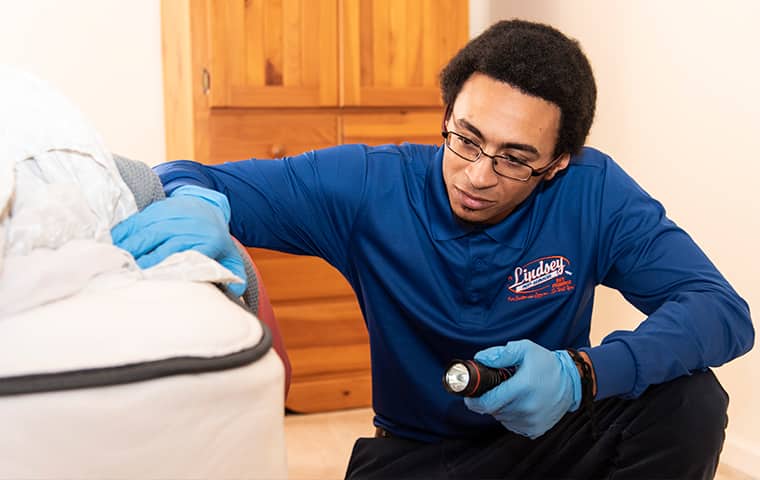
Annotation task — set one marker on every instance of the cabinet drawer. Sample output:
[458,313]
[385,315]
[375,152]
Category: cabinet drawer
[348,390]
[236,134]
[321,324]
[393,127]
[312,362]
[296,277]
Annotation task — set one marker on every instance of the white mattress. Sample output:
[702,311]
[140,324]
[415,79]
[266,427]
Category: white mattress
[153,380]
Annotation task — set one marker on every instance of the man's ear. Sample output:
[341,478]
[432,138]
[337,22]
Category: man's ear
[562,163]
[446,116]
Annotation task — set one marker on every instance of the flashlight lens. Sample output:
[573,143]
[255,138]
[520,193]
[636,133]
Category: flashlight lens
[457,377]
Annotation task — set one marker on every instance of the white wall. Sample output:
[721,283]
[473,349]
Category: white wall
[105,55]
[679,108]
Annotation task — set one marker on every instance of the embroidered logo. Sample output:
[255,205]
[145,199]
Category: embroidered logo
[539,278]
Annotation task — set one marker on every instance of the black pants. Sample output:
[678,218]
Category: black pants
[675,430]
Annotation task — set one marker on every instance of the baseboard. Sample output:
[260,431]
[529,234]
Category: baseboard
[742,456]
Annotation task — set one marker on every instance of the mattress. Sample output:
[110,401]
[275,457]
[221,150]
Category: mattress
[156,379]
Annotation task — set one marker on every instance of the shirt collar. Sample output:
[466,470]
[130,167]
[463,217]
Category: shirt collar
[511,232]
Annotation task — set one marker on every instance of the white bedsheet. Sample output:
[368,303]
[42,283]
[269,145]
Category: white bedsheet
[60,195]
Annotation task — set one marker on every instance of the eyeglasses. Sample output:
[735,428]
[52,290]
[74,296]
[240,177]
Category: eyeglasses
[505,166]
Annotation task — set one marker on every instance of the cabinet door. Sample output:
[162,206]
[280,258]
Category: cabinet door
[393,50]
[267,53]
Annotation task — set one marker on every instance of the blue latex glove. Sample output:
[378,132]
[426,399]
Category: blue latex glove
[545,387]
[192,218]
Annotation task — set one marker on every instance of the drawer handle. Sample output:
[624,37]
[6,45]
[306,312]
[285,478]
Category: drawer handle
[277,150]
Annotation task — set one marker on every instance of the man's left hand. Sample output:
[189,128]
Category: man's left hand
[192,218]
[545,387]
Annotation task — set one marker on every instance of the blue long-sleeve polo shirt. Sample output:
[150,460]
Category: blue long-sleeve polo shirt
[432,289]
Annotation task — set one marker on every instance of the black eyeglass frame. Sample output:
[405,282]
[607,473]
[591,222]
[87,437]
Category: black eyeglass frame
[533,171]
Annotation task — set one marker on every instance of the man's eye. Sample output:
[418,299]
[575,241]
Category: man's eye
[510,160]
[466,141]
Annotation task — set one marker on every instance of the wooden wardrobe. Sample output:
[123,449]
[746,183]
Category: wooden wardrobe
[272,78]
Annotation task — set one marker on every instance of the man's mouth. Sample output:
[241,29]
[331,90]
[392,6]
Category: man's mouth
[472,202]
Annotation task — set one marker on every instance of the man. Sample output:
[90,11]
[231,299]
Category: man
[491,246]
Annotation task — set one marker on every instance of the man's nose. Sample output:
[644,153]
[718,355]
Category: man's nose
[481,174]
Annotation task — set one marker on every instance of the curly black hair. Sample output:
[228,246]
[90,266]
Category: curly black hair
[536,59]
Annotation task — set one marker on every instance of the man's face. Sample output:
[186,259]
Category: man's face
[503,121]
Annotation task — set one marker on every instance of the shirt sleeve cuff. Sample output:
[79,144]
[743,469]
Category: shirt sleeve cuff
[614,367]
[172,180]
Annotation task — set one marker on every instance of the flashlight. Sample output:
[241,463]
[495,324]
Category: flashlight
[470,378]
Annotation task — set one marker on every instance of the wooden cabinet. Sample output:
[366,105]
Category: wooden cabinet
[271,78]
[323,331]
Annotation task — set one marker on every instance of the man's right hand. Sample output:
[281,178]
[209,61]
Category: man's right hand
[193,218]
[546,386]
